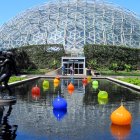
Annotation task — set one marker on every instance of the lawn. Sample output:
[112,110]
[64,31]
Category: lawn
[135,81]
[16,78]
[120,73]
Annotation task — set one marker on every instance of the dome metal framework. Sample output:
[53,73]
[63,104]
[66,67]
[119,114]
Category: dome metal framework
[72,23]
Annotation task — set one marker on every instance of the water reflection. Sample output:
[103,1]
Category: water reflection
[70,91]
[45,89]
[90,96]
[85,113]
[120,132]
[102,101]
[59,113]
[7,131]
[77,83]
[116,93]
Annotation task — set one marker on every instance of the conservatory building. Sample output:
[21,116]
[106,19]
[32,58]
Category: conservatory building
[72,23]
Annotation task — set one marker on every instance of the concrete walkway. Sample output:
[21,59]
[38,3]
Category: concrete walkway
[58,72]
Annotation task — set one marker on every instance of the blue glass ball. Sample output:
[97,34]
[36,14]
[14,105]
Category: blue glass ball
[59,103]
[59,113]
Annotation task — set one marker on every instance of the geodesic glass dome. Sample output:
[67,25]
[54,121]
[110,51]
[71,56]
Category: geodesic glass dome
[72,23]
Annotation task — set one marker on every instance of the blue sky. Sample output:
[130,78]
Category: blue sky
[10,8]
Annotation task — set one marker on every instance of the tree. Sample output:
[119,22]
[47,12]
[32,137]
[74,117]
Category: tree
[128,67]
[115,67]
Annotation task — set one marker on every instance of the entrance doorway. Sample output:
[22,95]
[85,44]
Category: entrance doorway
[78,64]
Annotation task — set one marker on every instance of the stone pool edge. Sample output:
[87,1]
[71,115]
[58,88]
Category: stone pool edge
[132,86]
[137,88]
[23,81]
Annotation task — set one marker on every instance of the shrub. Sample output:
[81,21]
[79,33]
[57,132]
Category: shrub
[38,56]
[106,55]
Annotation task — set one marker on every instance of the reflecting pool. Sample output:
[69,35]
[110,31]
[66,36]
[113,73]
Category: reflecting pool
[86,118]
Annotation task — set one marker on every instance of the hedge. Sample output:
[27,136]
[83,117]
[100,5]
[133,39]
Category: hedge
[104,56]
[38,56]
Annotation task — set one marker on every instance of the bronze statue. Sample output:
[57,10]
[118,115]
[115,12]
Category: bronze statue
[8,67]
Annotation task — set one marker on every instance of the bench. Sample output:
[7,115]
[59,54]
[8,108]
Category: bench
[97,73]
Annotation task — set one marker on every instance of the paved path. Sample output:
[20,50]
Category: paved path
[57,72]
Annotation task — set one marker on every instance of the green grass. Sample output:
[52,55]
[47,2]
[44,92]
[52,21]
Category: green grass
[36,71]
[135,81]
[15,78]
[120,73]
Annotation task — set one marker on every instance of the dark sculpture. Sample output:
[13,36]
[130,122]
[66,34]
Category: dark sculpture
[7,131]
[7,68]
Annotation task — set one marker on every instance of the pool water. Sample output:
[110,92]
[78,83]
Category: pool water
[86,117]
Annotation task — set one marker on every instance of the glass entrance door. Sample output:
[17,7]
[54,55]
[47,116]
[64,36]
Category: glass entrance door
[78,64]
[67,67]
[78,68]
[81,68]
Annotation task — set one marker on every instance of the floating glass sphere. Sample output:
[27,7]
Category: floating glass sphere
[70,86]
[89,78]
[55,85]
[35,92]
[56,80]
[59,103]
[84,81]
[121,116]
[103,94]
[95,82]
[45,84]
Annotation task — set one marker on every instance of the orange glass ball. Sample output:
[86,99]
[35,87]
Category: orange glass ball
[121,116]
[70,86]
[56,80]
[56,85]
